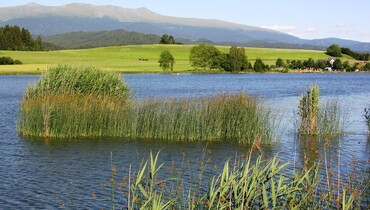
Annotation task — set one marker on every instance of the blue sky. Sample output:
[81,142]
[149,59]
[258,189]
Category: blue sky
[309,19]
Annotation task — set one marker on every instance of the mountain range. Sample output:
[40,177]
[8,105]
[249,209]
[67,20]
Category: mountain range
[52,20]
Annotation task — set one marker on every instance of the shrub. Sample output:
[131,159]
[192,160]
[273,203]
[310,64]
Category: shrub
[6,61]
[18,62]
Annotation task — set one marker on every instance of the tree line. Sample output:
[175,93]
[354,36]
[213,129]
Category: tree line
[322,64]
[14,38]
[208,57]
[336,51]
[355,55]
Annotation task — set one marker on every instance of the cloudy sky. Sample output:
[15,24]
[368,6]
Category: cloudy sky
[308,19]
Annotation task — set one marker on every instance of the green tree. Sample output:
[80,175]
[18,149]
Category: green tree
[321,65]
[346,65]
[259,66]
[223,61]
[166,60]
[27,39]
[299,65]
[334,50]
[204,56]
[172,40]
[164,39]
[293,64]
[238,60]
[38,45]
[279,62]
[366,67]
[310,63]
[337,64]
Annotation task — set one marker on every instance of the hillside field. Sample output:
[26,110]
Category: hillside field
[129,59]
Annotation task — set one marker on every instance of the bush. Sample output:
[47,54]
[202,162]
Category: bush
[6,61]
[18,62]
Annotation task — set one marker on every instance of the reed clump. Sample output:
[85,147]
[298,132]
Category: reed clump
[240,184]
[83,80]
[71,101]
[230,116]
[315,120]
[86,102]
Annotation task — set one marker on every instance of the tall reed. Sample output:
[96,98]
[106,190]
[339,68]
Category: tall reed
[240,184]
[308,110]
[84,80]
[74,101]
[225,116]
[316,119]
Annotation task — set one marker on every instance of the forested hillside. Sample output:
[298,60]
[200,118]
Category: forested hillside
[81,39]
[14,38]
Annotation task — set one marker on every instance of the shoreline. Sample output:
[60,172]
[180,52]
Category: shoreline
[40,72]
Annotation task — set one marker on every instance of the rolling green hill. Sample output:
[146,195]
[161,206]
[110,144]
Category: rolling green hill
[129,59]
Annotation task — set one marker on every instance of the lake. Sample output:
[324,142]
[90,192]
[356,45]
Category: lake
[37,173]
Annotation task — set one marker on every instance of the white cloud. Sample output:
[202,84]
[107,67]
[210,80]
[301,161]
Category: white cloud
[309,30]
[364,33]
[340,25]
[280,28]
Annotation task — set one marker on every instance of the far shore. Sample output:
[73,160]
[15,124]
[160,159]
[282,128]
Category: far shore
[143,59]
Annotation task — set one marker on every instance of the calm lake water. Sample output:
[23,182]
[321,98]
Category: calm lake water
[36,173]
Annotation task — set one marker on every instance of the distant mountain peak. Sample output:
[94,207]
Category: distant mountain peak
[33,4]
[49,20]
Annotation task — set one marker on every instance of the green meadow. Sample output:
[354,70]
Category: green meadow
[129,59]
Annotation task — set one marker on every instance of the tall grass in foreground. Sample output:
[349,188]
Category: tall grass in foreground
[241,184]
[75,101]
[316,120]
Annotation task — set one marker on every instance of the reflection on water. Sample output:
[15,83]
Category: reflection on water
[34,171]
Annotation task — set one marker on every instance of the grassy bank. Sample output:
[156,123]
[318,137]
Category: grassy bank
[84,101]
[128,59]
